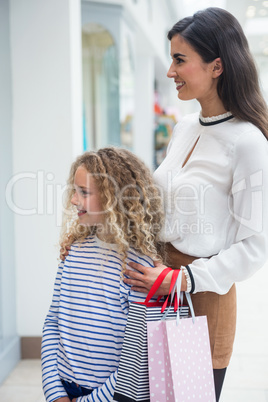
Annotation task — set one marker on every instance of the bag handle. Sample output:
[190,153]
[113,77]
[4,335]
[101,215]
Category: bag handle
[170,292]
[188,298]
[157,284]
[177,278]
[190,303]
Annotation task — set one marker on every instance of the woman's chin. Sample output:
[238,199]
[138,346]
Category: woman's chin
[183,97]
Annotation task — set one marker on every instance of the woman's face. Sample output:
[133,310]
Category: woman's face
[194,78]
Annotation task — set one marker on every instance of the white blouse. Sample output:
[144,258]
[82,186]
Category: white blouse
[216,204]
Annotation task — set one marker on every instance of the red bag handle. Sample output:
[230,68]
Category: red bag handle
[157,284]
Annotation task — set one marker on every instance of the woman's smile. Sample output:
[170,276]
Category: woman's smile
[179,84]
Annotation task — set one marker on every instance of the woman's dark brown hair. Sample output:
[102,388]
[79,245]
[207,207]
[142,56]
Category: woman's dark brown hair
[214,33]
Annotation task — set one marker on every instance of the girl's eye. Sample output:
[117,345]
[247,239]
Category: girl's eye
[84,193]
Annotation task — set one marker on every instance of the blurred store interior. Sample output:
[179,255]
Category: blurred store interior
[79,75]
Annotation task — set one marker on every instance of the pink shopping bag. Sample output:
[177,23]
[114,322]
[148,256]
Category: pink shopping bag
[132,382]
[180,367]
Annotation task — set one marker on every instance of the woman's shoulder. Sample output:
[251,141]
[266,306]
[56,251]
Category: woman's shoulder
[249,145]
[187,120]
[188,123]
[247,134]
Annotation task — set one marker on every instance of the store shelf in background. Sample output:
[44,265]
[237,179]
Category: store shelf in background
[164,125]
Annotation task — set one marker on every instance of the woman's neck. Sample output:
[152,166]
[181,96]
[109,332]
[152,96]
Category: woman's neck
[213,112]
[212,107]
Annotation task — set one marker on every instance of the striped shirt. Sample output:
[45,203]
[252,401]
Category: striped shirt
[84,329]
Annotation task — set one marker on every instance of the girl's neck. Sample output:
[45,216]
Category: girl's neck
[104,235]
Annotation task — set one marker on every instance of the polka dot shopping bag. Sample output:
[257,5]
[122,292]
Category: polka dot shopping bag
[132,383]
[180,365]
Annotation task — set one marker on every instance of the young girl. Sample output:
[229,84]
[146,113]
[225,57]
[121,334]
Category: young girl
[119,217]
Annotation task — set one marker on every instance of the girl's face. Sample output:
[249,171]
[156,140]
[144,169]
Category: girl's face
[194,78]
[87,198]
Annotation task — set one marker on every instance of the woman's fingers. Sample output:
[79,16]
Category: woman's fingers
[134,275]
[134,282]
[143,280]
[139,289]
[137,281]
[138,267]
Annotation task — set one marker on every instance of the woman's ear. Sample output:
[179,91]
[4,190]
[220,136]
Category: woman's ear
[217,67]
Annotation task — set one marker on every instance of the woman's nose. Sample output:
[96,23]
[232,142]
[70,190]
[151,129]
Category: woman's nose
[171,73]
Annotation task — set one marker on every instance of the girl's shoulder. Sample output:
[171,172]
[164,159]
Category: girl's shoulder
[84,244]
[135,256]
[93,243]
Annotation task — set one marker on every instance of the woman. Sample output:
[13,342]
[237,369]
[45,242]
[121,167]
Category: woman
[215,175]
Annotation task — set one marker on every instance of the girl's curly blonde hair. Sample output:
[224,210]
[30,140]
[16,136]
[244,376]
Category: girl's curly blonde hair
[129,197]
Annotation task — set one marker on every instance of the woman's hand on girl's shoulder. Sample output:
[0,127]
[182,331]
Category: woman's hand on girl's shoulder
[143,278]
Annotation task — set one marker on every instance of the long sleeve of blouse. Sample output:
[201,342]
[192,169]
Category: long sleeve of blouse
[216,205]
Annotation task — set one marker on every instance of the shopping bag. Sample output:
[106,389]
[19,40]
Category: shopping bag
[180,365]
[132,382]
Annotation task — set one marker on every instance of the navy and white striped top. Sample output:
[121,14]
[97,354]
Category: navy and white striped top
[84,329]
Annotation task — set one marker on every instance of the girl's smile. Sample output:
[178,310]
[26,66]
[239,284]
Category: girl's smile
[80,213]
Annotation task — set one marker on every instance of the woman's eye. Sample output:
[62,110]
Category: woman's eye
[179,61]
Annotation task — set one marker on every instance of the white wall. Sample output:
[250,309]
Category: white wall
[47,133]
[9,341]
[143,144]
